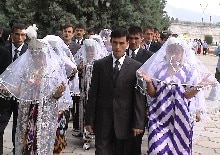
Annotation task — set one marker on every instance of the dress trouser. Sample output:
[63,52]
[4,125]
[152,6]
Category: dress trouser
[5,114]
[137,141]
[75,112]
[111,145]
[136,144]
[15,117]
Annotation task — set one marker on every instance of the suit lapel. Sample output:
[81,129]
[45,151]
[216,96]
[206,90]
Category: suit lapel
[23,49]
[124,67]
[9,48]
[127,52]
[109,66]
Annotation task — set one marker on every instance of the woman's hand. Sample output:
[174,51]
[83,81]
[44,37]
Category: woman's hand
[72,74]
[145,76]
[59,92]
[150,88]
[206,81]
[80,67]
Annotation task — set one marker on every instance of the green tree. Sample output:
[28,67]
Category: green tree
[49,15]
[208,39]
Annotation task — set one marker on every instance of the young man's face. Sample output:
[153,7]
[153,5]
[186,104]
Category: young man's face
[18,37]
[135,41]
[68,34]
[148,35]
[119,46]
[79,33]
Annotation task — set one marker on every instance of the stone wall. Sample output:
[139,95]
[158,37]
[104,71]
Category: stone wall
[196,30]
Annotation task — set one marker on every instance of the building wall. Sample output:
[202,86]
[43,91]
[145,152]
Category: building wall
[196,30]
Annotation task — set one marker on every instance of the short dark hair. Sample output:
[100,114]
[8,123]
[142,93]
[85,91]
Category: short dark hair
[91,30]
[156,30]
[80,26]
[68,25]
[120,32]
[148,28]
[163,36]
[135,30]
[19,26]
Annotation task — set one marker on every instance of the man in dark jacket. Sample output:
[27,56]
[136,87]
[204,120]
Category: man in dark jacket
[115,109]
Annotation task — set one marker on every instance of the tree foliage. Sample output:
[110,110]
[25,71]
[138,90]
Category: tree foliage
[49,15]
[209,39]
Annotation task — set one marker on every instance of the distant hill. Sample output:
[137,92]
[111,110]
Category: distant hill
[188,15]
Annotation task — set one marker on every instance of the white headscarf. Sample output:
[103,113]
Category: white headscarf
[64,53]
[89,52]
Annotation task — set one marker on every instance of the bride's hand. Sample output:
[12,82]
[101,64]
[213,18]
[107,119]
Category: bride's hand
[206,81]
[145,76]
[59,92]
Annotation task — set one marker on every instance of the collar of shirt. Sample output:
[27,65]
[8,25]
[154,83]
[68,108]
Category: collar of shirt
[121,60]
[80,41]
[19,48]
[135,51]
[147,44]
[14,48]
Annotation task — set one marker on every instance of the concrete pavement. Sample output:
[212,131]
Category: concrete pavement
[207,132]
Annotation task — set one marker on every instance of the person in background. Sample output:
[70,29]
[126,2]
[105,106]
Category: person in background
[141,55]
[87,54]
[156,35]
[67,35]
[90,32]
[214,94]
[217,73]
[148,42]
[163,38]
[205,47]
[4,36]
[80,31]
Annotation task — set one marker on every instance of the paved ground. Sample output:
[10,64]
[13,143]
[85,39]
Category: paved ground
[206,141]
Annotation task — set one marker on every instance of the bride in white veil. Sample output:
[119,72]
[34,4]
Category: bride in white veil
[36,80]
[175,80]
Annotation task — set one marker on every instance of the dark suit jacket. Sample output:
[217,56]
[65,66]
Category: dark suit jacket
[9,47]
[5,59]
[142,55]
[6,107]
[74,47]
[115,104]
[155,46]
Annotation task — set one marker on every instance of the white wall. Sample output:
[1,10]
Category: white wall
[196,30]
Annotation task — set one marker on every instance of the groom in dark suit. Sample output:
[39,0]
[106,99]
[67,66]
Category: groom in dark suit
[115,109]
[15,49]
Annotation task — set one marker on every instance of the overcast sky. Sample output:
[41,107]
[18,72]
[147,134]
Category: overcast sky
[192,10]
